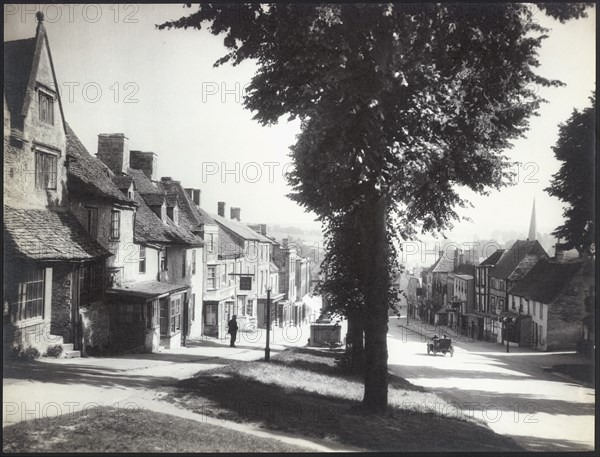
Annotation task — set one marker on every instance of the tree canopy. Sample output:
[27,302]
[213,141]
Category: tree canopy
[400,105]
[574,183]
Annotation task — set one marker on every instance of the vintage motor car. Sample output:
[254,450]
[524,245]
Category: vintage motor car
[443,345]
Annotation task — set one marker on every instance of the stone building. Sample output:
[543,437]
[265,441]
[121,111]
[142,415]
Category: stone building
[53,267]
[549,304]
[156,292]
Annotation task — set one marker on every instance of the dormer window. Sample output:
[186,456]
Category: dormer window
[173,213]
[46,105]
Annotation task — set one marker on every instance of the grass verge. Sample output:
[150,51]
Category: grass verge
[302,391]
[106,429]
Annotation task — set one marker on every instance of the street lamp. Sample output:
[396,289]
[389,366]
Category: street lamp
[507,324]
[267,348]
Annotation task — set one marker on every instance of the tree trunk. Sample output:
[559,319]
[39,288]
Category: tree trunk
[355,344]
[376,313]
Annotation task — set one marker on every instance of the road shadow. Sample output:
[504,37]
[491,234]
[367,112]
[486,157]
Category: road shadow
[229,396]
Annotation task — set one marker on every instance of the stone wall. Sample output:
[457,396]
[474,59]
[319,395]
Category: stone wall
[95,319]
[565,314]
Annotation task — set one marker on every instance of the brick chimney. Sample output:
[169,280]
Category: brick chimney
[284,242]
[235,213]
[196,197]
[263,229]
[221,209]
[147,162]
[113,150]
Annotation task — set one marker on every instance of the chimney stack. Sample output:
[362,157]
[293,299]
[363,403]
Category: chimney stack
[147,162]
[221,209]
[235,213]
[194,195]
[284,242]
[113,150]
[263,229]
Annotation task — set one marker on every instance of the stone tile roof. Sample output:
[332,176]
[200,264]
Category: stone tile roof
[175,193]
[42,234]
[511,259]
[122,182]
[492,259]
[546,280]
[89,175]
[142,183]
[18,59]
[149,228]
[240,230]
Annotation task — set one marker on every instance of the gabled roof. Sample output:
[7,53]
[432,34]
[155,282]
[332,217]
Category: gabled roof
[88,174]
[511,259]
[546,280]
[142,183]
[240,230]
[18,59]
[444,264]
[149,228]
[175,193]
[42,234]
[492,259]
[123,182]
[21,57]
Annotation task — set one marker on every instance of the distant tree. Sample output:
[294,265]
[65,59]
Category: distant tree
[399,105]
[575,180]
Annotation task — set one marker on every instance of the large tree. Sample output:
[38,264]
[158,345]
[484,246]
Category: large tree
[575,180]
[400,104]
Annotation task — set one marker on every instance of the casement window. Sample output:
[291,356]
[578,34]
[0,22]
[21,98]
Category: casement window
[46,105]
[163,260]
[142,259]
[164,317]
[31,295]
[91,283]
[175,315]
[183,263]
[115,225]
[250,308]
[45,170]
[193,261]
[92,221]
[211,278]
[211,243]
[224,275]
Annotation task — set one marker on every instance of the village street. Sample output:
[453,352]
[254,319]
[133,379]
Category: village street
[512,392]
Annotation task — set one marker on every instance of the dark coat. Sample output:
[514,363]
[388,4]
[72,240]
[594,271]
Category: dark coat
[232,326]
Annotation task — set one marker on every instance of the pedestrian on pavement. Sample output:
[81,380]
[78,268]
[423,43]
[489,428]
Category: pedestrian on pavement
[232,330]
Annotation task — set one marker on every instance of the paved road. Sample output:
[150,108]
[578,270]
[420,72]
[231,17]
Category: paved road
[512,392]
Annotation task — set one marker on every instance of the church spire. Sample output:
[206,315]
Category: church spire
[532,227]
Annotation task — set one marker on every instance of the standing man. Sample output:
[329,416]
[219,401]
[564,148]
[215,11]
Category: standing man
[232,330]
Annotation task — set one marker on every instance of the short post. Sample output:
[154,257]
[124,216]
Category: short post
[267,348]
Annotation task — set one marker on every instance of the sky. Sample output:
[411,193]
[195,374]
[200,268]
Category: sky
[119,74]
